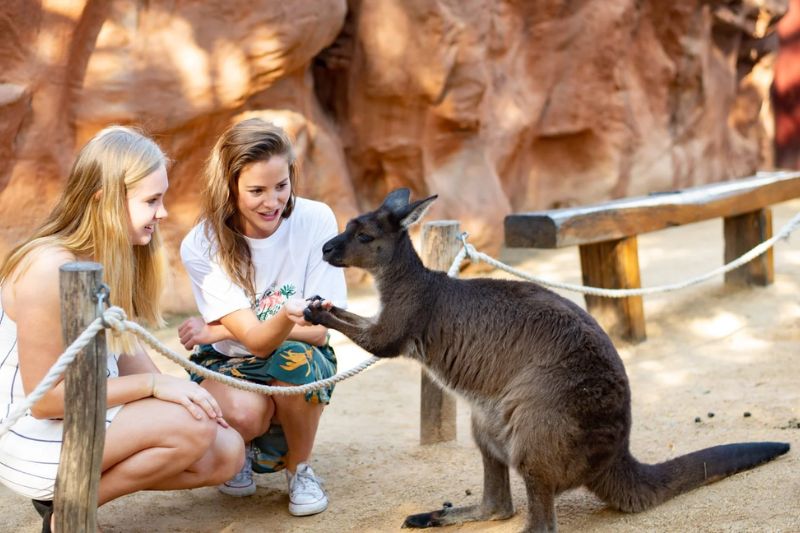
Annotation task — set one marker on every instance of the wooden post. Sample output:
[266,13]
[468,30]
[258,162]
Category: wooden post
[742,234]
[440,246]
[614,265]
[85,403]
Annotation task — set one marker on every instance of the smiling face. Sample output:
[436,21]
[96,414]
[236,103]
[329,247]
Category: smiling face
[146,206]
[263,191]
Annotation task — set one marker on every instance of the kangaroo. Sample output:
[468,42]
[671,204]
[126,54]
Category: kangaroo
[548,391]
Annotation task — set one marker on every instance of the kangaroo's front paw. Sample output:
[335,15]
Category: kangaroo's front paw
[315,312]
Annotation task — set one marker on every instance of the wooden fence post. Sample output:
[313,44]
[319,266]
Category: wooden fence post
[437,407]
[614,265]
[78,477]
[742,233]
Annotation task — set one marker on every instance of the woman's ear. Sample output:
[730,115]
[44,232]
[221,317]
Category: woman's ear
[96,196]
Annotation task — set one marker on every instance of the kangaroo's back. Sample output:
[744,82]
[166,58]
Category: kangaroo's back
[507,327]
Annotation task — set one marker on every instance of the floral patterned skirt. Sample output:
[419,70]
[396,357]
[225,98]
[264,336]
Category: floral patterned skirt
[292,362]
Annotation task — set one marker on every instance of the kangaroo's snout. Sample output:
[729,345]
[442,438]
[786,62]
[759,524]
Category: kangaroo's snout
[329,251]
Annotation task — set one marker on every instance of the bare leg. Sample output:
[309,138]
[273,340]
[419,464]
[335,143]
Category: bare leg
[221,462]
[300,420]
[158,445]
[249,413]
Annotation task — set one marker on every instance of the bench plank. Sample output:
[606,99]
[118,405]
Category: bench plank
[623,218]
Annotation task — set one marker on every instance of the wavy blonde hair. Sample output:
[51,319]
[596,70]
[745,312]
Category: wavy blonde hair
[246,142]
[96,225]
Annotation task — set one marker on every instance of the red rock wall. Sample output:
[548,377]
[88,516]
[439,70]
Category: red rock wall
[786,90]
[497,106]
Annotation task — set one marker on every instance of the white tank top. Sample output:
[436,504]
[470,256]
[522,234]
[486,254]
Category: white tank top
[11,390]
[30,451]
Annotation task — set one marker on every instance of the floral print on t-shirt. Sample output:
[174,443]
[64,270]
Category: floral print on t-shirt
[272,299]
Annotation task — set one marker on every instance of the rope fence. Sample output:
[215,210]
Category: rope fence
[469,251]
[115,318]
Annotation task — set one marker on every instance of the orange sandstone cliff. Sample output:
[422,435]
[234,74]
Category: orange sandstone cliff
[497,106]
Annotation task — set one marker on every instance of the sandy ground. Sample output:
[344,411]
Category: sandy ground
[710,349]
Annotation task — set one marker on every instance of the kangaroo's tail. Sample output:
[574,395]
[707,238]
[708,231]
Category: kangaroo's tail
[632,486]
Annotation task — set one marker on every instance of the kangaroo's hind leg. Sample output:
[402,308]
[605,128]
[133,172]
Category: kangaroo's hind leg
[496,503]
[541,505]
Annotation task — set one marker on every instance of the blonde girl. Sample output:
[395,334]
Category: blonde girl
[162,432]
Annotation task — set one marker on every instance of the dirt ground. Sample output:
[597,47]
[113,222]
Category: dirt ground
[712,353]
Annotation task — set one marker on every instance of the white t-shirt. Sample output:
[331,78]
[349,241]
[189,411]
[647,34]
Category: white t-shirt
[287,263]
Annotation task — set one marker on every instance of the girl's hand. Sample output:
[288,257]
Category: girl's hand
[194,331]
[294,310]
[197,400]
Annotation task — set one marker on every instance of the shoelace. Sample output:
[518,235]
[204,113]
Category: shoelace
[303,480]
[245,475]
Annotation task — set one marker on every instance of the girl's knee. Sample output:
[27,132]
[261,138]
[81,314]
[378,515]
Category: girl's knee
[248,424]
[229,451]
[197,435]
[250,418]
[224,459]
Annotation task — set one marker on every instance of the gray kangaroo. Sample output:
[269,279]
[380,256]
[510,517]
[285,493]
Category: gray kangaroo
[548,391]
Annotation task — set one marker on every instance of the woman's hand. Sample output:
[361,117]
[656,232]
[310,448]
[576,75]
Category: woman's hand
[294,310]
[194,331]
[197,400]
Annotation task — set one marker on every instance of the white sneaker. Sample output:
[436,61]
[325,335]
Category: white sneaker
[241,484]
[306,495]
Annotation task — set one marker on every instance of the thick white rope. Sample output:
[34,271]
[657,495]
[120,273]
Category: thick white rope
[154,343]
[469,251]
[114,317]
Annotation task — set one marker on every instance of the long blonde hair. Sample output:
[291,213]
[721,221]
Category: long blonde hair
[246,142]
[91,219]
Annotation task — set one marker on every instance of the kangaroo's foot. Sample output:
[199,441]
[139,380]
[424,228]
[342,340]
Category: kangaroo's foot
[448,515]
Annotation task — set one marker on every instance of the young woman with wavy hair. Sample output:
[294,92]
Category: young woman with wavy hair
[254,256]
[162,432]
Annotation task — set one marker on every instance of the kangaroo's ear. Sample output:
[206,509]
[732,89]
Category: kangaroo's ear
[413,212]
[397,200]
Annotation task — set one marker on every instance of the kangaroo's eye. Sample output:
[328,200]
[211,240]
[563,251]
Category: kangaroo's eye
[363,237]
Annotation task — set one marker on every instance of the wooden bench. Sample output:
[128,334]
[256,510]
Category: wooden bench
[606,233]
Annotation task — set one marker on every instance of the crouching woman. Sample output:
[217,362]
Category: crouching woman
[162,432]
